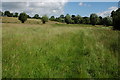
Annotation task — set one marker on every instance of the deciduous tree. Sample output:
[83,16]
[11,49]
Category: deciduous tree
[22,17]
[93,19]
[44,19]
[116,19]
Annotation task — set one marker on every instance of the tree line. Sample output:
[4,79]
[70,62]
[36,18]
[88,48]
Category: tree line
[113,20]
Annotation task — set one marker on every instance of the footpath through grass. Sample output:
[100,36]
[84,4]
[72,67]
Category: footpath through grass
[55,51]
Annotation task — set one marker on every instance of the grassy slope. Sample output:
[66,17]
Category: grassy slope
[59,51]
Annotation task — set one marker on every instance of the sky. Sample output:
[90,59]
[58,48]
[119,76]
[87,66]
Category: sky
[86,8]
[58,7]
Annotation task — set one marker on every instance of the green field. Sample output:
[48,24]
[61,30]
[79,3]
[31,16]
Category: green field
[54,50]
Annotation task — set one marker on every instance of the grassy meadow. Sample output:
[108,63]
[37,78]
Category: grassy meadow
[55,50]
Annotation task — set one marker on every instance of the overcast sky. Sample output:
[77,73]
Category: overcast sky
[58,7]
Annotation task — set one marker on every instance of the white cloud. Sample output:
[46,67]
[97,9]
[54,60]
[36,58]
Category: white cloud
[60,0]
[41,8]
[83,4]
[108,12]
[113,8]
[34,0]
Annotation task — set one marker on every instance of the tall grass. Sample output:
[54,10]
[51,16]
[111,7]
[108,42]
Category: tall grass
[53,51]
[15,20]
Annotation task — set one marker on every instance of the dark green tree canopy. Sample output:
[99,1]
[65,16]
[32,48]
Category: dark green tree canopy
[28,16]
[11,15]
[73,17]
[1,13]
[68,19]
[7,13]
[44,19]
[77,19]
[107,21]
[86,20]
[60,19]
[36,16]
[52,18]
[100,22]
[116,19]
[22,17]
[93,19]
[15,14]
[62,16]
